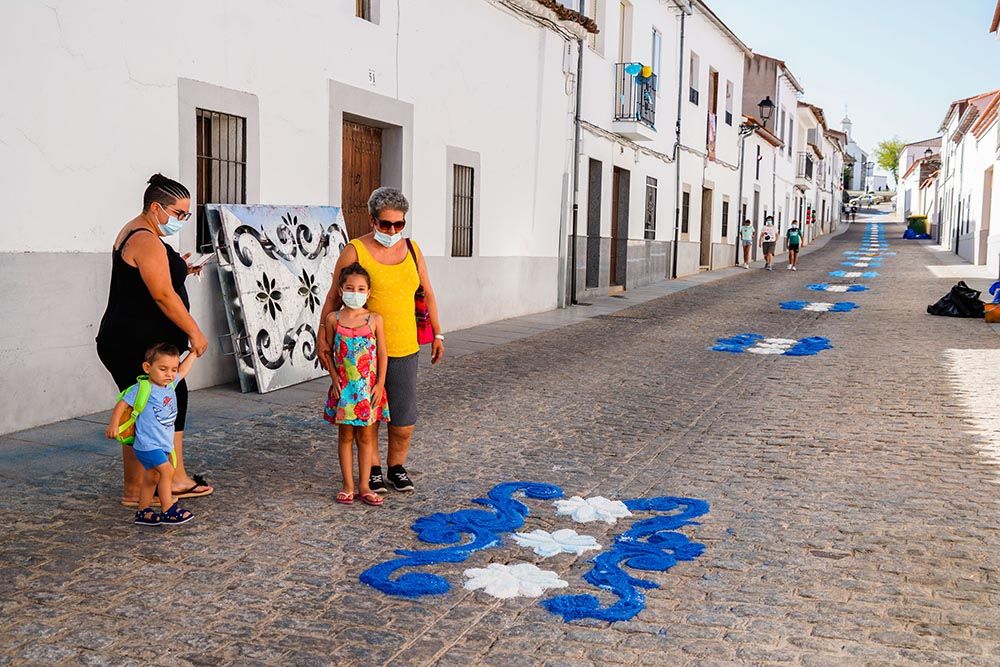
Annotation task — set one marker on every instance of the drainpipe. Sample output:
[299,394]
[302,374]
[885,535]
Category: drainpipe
[576,165]
[685,10]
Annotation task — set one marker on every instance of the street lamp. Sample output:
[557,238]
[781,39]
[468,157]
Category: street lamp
[765,108]
[928,153]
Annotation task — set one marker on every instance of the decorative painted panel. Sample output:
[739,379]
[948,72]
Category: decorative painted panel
[275,265]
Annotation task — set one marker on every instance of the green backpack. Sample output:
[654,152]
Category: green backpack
[126,428]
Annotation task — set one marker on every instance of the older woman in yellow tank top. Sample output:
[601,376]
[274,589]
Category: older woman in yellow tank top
[396,273]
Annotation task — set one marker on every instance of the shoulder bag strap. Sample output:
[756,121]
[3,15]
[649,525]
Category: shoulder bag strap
[416,264]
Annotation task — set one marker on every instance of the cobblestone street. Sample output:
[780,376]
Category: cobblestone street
[852,518]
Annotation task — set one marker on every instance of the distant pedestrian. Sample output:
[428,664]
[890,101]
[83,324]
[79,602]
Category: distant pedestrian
[854,213]
[357,399]
[793,237]
[154,432]
[746,240]
[768,239]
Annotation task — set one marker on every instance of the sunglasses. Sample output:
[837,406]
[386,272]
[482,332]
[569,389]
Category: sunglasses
[390,226]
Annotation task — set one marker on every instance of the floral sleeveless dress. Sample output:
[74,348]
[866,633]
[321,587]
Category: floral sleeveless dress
[356,364]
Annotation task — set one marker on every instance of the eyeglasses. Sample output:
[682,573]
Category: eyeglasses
[180,215]
[390,225]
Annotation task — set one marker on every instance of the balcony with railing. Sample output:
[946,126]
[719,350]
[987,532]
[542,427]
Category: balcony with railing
[635,103]
[804,172]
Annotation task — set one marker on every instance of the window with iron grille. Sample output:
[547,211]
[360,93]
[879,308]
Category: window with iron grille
[363,9]
[461,211]
[757,165]
[729,102]
[725,218]
[694,78]
[222,165]
[685,211]
[649,232]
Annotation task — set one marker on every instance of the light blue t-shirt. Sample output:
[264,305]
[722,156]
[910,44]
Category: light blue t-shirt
[154,429]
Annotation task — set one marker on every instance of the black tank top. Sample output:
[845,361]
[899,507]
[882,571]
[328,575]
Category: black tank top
[132,317]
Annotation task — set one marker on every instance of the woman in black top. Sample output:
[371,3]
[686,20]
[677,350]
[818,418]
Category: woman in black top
[148,304]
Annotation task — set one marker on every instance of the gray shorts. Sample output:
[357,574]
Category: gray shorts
[768,248]
[401,387]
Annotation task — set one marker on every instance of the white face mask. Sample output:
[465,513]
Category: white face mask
[387,240]
[354,299]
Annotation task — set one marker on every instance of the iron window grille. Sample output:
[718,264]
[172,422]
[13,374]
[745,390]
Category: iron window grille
[635,97]
[685,211]
[693,95]
[222,165]
[725,219]
[462,211]
[363,9]
[649,230]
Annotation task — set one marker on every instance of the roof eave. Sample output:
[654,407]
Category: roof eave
[747,51]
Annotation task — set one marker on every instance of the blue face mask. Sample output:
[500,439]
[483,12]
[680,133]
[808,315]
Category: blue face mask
[171,226]
[387,240]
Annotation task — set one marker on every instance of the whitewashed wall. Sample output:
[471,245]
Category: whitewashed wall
[92,109]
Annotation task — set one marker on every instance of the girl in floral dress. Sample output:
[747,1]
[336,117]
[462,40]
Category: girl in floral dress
[357,397]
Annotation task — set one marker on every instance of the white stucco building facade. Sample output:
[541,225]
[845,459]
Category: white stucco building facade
[73,165]
[856,157]
[970,154]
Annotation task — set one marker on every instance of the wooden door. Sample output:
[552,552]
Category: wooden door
[619,226]
[705,255]
[594,225]
[362,173]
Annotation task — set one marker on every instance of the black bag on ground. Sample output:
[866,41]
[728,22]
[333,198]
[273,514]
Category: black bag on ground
[961,301]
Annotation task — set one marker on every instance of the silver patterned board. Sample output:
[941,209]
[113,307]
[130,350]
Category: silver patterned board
[275,266]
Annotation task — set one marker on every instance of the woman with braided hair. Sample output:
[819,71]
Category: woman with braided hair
[148,305]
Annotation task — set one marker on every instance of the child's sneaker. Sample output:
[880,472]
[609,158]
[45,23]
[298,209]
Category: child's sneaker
[399,479]
[176,516]
[375,481]
[148,517]
[790,268]
[795,268]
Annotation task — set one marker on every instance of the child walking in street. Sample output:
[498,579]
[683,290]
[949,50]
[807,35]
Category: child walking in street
[746,239]
[793,237]
[357,397]
[154,431]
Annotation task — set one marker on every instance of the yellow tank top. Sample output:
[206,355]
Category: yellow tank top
[391,297]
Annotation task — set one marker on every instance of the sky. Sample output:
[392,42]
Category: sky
[896,64]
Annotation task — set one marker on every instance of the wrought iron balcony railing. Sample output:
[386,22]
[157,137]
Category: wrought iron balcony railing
[635,95]
[805,169]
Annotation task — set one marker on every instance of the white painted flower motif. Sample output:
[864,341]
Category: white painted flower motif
[836,288]
[510,581]
[818,306]
[564,540]
[852,274]
[772,346]
[597,508]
